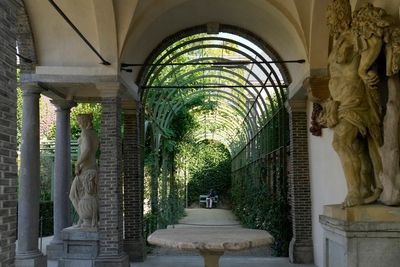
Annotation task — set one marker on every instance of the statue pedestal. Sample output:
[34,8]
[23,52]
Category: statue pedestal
[366,236]
[81,247]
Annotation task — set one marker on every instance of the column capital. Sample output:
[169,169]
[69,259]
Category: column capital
[296,105]
[317,88]
[109,89]
[63,104]
[31,89]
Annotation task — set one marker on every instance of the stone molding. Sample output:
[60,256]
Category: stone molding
[31,89]
[317,88]
[62,104]
[296,105]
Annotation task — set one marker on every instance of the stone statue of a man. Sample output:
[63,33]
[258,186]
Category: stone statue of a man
[83,192]
[354,111]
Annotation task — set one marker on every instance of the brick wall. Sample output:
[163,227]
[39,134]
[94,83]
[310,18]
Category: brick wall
[299,184]
[8,132]
[25,39]
[133,188]
[110,180]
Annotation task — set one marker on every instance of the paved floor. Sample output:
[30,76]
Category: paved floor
[225,261]
[164,257]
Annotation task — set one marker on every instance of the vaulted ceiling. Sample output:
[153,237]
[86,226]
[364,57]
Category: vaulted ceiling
[126,31]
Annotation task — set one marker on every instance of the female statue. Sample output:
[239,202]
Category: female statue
[83,194]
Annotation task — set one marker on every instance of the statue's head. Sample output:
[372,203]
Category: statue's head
[85,120]
[338,17]
[371,21]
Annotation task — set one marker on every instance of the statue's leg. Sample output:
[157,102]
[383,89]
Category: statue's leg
[377,166]
[343,141]
[367,170]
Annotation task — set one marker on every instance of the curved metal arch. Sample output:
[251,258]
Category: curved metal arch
[167,120]
[249,129]
[220,122]
[224,28]
[202,68]
[240,93]
[221,140]
[202,39]
[268,73]
[271,80]
[227,117]
[195,93]
[262,106]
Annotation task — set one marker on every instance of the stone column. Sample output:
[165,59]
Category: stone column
[301,245]
[134,243]
[8,133]
[62,174]
[110,187]
[28,253]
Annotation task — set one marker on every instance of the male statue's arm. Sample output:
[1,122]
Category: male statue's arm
[368,57]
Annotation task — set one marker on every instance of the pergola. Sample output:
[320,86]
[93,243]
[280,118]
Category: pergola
[257,96]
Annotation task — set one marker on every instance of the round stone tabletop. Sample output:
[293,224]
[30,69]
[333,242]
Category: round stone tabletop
[210,238]
[211,242]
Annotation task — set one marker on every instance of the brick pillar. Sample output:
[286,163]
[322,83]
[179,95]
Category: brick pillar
[134,243]
[301,245]
[8,133]
[110,187]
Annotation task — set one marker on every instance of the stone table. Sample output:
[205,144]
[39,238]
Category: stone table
[211,242]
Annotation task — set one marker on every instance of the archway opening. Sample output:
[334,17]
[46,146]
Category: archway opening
[218,83]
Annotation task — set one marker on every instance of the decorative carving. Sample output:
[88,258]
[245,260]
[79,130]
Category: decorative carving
[83,192]
[354,111]
[318,92]
[316,127]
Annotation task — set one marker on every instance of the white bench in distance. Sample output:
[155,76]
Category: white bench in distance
[202,200]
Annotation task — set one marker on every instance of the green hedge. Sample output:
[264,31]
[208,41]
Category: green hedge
[46,217]
[209,168]
[258,208]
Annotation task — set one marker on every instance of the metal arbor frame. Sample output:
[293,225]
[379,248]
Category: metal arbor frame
[249,89]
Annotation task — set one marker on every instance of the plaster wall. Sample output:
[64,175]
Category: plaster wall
[328,185]
[55,42]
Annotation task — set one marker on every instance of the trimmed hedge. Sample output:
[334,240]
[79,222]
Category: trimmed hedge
[46,217]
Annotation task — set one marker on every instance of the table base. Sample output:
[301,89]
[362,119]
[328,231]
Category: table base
[211,258]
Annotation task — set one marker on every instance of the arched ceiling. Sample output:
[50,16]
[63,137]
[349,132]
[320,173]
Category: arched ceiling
[127,31]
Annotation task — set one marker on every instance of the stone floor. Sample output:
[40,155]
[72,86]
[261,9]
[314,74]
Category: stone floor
[164,257]
[225,261]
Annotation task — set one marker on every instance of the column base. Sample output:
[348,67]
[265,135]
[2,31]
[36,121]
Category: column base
[365,236]
[119,261]
[136,250]
[34,259]
[54,250]
[301,252]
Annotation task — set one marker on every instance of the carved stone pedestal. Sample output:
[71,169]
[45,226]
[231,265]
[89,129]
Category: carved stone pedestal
[364,236]
[81,247]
